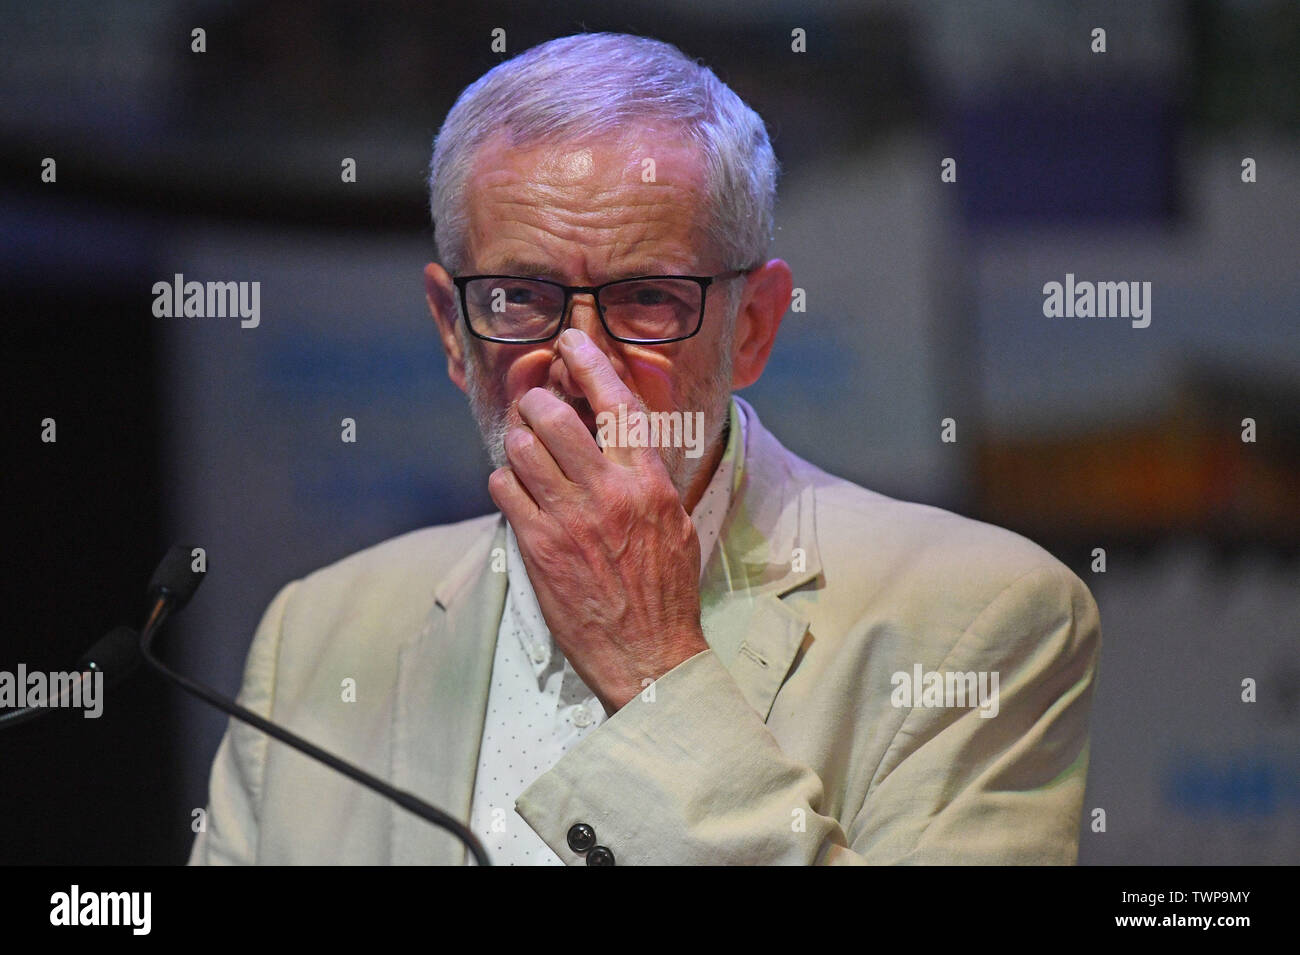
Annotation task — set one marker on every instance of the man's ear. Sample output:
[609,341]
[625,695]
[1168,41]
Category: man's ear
[440,293]
[763,305]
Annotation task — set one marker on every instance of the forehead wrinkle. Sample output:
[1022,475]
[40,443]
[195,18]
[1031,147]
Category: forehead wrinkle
[589,204]
[644,218]
[503,171]
[571,225]
[625,214]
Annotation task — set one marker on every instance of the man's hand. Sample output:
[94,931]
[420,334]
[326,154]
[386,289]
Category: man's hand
[612,555]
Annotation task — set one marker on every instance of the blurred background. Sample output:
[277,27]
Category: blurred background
[924,302]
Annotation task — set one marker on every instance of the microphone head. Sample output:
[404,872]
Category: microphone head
[174,579]
[115,655]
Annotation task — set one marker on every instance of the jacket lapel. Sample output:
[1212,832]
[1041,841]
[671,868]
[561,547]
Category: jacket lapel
[768,548]
[444,674]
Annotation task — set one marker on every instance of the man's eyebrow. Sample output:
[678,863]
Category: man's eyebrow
[538,270]
[519,267]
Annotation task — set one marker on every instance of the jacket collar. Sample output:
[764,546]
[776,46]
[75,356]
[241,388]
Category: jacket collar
[768,550]
[441,697]
[769,539]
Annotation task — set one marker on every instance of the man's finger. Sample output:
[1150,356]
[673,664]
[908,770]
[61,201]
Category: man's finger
[591,370]
[513,499]
[608,396]
[563,433]
[535,469]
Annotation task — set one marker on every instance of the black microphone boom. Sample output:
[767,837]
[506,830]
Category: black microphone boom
[171,587]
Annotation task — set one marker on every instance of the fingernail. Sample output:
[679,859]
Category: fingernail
[573,337]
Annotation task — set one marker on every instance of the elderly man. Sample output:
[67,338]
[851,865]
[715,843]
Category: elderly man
[663,649]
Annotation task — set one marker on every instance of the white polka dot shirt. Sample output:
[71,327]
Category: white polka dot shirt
[538,708]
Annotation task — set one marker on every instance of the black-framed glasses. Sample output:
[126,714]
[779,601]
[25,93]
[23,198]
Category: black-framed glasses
[645,310]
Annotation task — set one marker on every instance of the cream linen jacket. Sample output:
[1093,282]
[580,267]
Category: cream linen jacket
[779,744]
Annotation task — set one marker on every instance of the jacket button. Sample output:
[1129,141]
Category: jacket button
[581,837]
[600,856]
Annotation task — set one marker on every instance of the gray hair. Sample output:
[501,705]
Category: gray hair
[592,84]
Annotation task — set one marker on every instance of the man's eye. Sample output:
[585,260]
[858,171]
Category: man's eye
[518,295]
[652,296]
[642,296]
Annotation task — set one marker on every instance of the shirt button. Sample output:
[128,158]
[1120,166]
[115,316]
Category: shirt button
[600,856]
[581,837]
[539,656]
[581,716]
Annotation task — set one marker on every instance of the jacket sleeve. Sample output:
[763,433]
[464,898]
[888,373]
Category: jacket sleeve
[235,790]
[695,777]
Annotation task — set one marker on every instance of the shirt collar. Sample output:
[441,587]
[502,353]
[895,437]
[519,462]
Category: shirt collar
[711,510]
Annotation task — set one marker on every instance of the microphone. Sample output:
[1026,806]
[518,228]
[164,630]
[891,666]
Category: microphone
[170,588]
[115,655]
[175,578]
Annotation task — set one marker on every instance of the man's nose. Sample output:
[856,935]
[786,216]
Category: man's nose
[583,315]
